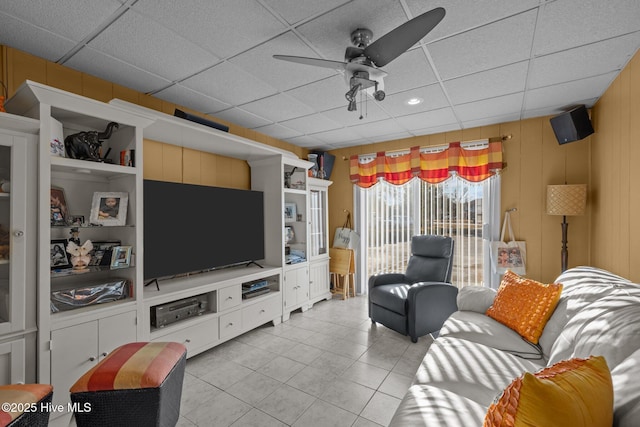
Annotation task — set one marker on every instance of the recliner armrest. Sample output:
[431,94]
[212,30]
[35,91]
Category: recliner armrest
[430,304]
[387,279]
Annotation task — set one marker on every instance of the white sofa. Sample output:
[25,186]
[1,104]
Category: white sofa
[475,357]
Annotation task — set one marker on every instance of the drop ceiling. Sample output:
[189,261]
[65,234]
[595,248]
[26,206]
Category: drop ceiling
[488,61]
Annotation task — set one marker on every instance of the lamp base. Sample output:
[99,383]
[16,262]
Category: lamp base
[564,254]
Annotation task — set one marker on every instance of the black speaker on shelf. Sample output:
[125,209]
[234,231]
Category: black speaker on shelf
[572,126]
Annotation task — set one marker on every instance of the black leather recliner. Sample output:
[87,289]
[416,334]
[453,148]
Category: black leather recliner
[417,302]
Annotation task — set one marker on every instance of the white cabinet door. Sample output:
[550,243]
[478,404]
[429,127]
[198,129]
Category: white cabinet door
[319,280]
[12,362]
[296,287]
[115,331]
[73,352]
[76,349]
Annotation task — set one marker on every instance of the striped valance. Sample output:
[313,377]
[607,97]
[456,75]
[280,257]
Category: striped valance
[472,164]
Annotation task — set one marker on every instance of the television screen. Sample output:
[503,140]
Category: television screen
[190,228]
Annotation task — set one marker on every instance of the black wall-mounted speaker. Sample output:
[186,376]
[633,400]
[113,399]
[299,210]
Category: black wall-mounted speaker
[572,126]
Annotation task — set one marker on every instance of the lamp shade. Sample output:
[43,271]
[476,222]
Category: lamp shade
[567,200]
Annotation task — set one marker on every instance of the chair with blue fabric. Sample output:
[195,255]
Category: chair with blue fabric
[416,302]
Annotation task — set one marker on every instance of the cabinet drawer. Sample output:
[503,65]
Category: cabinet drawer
[230,297]
[261,313]
[194,337]
[230,324]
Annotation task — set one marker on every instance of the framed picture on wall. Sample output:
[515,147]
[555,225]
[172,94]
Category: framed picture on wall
[109,208]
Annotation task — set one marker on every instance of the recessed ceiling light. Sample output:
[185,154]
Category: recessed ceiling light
[414,101]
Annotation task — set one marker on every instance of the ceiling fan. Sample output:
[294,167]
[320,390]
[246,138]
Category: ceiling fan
[362,63]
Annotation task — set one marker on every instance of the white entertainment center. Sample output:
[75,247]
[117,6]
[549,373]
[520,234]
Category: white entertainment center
[69,342]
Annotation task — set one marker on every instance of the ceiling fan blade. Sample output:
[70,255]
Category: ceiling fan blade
[396,42]
[316,62]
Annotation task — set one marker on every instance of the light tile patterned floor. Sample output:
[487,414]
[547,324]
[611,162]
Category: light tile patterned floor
[327,366]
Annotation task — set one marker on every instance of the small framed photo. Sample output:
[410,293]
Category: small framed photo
[120,256]
[59,256]
[57,139]
[76,220]
[59,210]
[102,251]
[109,208]
[289,234]
[290,212]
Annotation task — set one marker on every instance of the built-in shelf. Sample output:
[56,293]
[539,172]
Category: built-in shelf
[91,269]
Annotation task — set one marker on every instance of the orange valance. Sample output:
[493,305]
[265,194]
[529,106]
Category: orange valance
[474,165]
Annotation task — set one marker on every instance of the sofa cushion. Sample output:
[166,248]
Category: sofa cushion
[475,298]
[626,392]
[469,369]
[477,327]
[392,297]
[608,327]
[581,287]
[576,392]
[424,405]
[524,305]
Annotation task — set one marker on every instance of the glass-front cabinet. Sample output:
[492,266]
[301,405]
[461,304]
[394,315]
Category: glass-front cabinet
[17,248]
[318,240]
[318,221]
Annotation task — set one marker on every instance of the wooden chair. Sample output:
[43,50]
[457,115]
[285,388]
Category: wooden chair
[342,270]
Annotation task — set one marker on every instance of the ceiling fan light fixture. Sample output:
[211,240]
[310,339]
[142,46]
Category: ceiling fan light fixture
[414,101]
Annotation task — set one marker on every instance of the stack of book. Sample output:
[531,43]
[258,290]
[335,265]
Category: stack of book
[254,289]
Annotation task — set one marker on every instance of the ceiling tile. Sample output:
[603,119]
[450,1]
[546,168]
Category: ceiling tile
[438,129]
[311,124]
[331,33]
[565,94]
[463,15]
[34,40]
[282,75]
[111,69]
[278,131]
[433,98]
[341,135]
[242,118]
[503,118]
[169,56]
[486,84]
[181,95]
[408,71]
[305,141]
[278,108]
[55,17]
[570,23]
[230,84]
[322,95]
[378,129]
[490,107]
[294,11]
[370,111]
[504,42]
[587,61]
[224,28]
[415,122]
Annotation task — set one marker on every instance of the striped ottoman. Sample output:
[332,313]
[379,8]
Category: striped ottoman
[138,384]
[25,405]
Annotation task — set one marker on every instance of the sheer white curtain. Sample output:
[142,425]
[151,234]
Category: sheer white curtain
[388,215]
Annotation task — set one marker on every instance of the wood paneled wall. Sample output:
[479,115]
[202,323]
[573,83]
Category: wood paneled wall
[161,161]
[615,177]
[534,160]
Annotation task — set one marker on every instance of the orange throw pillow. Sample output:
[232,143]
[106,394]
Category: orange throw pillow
[524,305]
[576,392]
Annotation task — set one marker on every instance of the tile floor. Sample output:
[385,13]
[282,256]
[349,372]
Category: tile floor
[327,366]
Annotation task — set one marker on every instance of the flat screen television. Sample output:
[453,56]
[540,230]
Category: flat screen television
[191,228]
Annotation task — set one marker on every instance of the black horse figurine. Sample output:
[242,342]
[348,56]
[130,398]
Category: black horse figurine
[86,145]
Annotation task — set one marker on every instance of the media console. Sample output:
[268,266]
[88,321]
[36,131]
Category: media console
[210,307]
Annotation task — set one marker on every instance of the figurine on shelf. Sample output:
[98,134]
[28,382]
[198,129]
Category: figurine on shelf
[75,235]
[86,145]
[80,255]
